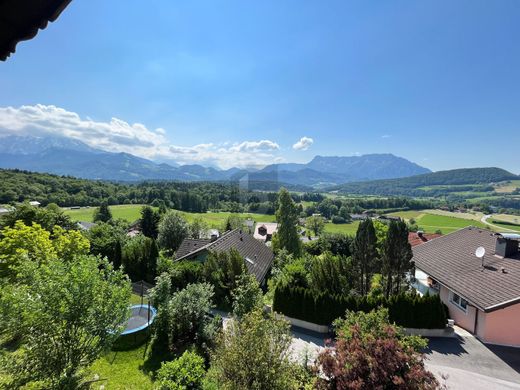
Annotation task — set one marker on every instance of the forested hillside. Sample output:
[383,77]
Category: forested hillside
[18,186]
[468,179]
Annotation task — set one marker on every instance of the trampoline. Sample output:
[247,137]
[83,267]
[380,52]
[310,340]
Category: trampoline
[141,318]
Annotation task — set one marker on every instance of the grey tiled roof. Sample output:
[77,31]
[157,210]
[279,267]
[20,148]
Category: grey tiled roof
[451,260]
[257,256]
[189,245]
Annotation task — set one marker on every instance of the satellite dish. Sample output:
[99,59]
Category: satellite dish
[480,252]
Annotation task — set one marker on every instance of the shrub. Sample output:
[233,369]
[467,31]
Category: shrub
[338,220]
[411,311]
[185,373]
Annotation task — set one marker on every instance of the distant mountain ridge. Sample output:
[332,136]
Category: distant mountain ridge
[65,156]
[421,185]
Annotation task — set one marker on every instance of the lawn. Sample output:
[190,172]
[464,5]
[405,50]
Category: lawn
[123,370]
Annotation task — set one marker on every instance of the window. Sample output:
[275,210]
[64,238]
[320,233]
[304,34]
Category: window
[458,301]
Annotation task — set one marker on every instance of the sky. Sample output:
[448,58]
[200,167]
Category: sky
[245,83]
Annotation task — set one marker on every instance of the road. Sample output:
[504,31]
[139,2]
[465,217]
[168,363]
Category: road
[468,363]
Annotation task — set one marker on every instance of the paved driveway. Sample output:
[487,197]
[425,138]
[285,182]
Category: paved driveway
[470,364]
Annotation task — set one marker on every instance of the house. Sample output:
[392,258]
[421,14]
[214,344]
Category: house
[358,217]
[258,258]
[35,203]
[482,293]
[265,231]
[419,237]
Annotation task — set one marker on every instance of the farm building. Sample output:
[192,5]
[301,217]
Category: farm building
[482,293]
[258,258]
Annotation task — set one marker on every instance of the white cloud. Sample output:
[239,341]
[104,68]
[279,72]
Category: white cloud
[120,136]
[255,146]
[303,144]
[386,136]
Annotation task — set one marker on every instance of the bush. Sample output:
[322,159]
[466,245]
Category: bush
[338,220]
[185,272]
[410,311]
[184,373]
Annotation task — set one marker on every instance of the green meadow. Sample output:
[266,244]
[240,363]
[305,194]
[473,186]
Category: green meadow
[132,213]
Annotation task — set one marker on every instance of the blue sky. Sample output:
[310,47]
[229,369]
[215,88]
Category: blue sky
[241,82]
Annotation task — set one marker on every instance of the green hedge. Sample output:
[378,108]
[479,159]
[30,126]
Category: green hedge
[410,311]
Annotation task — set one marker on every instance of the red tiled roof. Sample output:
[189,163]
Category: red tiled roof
[414,239]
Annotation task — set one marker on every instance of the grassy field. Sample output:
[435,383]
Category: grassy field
[508,187]
[507,218]
[128,212]
[345,228]
[216,220]
[432,220]
[131,213]
[504,226]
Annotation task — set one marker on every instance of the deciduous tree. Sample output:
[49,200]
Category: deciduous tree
[65,318]
[253,353]
[173,229]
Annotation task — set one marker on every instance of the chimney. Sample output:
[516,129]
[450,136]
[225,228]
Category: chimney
[507,244]
[420,233]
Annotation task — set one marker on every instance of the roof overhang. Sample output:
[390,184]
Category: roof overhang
[489,309]
[20,20]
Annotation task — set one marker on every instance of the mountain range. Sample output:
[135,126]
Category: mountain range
[66,156]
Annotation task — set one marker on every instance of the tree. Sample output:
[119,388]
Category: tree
[149,222]
[233,222]
[198,228]
[364,254]
[370,353]
[173,229]
[184,316]
[47,217]
[65,318]
[106,240]
[253,353]
[36,244]
[332,274]
[139,258]
[222,270]
[247,295]
[316,224]
[397,257]
[287,217]
[69,244]
[103,213]
[185,373]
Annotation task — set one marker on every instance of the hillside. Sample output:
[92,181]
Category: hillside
[431,184]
